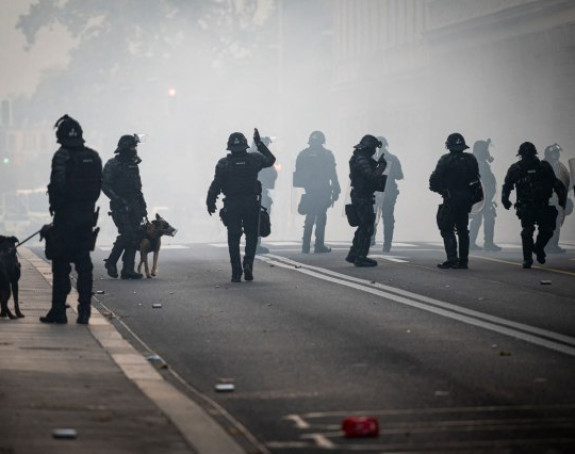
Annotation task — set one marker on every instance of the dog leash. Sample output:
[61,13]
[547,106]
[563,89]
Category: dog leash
[29,238]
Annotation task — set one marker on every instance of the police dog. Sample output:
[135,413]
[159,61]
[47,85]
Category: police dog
[9,276]
[151,242]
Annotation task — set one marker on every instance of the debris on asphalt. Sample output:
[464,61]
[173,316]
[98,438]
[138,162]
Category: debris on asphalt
[544,282]
[360,426]
[107,314]
[100,292]
[224,387]
[154,358]
[171,293]
[502,353]
[157,305]
[441,393]
[65,434]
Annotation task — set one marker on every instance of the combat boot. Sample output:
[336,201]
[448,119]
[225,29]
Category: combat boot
[110,262]
[364,262]
[248,270]
[57,317]
[128,274]
[448,264]
[237,275]
[111,268]
[84,311]
[321,249]
[129,263]
[491,247]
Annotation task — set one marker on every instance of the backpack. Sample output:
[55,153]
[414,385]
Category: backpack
[84,176]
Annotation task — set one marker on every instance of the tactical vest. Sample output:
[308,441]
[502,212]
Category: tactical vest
[83,176]
[460,171]
[534,185]
[126,180]
[241,176]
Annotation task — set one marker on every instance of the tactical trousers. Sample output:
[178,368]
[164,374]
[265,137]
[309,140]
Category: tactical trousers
[319,218]
[362,236]
[487,215]
[544,217]
[61,285]
[128,239]
[242,215]
[387,219]
[450,220]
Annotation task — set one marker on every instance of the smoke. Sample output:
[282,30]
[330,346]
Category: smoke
[279,66]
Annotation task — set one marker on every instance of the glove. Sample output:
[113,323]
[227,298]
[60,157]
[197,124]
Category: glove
[506,203]
[382,162]
[211,208]
[257,138]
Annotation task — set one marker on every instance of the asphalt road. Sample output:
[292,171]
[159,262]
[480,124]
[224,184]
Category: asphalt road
[478,360]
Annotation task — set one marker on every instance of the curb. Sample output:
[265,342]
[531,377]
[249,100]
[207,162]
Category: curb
[198,428]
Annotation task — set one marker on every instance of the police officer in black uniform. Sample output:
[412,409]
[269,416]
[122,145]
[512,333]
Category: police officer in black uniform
[487,213]
[267,178]
[366,176]
[74,188]
[123,186]
[236,176]
[315,172]
[385,201]
[454,177]
[535,182]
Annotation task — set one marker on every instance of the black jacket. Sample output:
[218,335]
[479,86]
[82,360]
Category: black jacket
[123,185]
[236,175]
[366,174]
[534,181]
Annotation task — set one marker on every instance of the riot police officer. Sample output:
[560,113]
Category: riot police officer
[366,176]
[74,188]
[456,178]
[535,183]
[487,213]
[123,186]
[552,155]
[315,172]
[236,176]
[267,177]
[385,201]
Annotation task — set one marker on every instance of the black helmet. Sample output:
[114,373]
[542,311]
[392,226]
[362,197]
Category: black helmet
[69,132]
[237,142]
[455,142]
[127,142]
[527,149]
[369,141]
[316,137]
[553,149]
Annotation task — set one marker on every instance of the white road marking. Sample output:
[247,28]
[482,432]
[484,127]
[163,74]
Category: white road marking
[299,422]
[548,339]
[390,258]
[320,440]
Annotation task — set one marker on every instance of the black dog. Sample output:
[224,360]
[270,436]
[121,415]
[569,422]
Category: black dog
[9,276]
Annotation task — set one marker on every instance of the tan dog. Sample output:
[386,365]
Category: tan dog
[152,241]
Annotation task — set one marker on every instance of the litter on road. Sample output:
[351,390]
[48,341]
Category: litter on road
[68,434]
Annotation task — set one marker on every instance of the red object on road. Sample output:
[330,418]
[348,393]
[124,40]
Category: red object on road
[360,426]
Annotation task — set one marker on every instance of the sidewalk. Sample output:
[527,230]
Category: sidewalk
[88,378]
